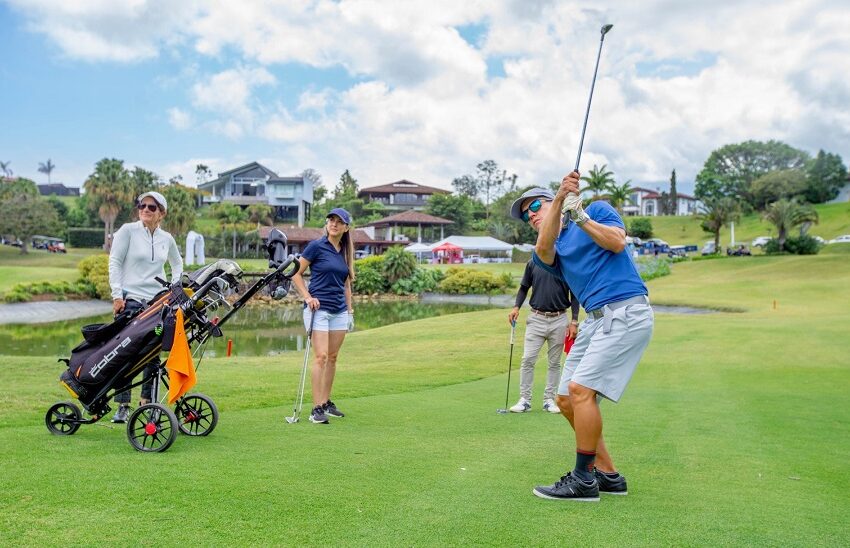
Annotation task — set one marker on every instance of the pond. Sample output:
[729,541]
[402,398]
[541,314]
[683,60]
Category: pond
[255,330]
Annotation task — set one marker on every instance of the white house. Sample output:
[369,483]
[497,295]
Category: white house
[646,202]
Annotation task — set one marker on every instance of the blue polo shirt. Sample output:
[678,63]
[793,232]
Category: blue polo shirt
[328,272]
[595,275]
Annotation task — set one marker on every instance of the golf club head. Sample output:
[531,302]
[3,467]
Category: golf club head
[292,420]
[502,411]
[605,28]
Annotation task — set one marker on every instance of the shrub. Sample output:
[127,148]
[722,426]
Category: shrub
[95,271]
[421,281]
[370,275]
[398,264]
[85,237]
[641,228]
[650,268]
[460,280]
[803,245]
[24,292]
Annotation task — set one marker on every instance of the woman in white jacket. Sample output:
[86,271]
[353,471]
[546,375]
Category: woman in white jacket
[138,255]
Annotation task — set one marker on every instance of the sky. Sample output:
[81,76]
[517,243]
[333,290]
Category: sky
[417,90]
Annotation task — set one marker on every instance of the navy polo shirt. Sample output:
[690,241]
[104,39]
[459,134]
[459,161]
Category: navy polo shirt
[595,275]
[328,272]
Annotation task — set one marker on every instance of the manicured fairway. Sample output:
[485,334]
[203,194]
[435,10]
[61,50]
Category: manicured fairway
[733,431]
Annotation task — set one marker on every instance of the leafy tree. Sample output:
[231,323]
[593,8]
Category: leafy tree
[202,173]
[786,214]
[17,187]
[640,227]
[181,210]
[731,169]
[47,168]
[490,182]
[674,194]
[466,185]
[717,213]
[776,185]
[25,215]
[457,208]
[59,206]
[231,216]
[598,179]
[7,171]
[503,230]
[345,196]
[620,195]
[827,175]
[108,190]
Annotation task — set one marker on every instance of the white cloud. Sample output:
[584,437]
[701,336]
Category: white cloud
[424,107]
[179,119]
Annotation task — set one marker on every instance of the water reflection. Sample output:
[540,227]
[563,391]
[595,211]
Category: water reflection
[255,331]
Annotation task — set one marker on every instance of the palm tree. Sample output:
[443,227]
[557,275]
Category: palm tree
[7,171]
[785,214]
[230,215]
[108,190]
[620,195]
[47,167]
[717,213]
[598,179]
[260,214]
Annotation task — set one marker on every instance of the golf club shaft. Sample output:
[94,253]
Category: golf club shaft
[510,362]
[299,397]
[589,99]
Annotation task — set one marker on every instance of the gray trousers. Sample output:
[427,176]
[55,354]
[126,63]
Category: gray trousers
[540,329]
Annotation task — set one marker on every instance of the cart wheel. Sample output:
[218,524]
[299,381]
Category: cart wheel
[196,415]
[152,428]
[63,418]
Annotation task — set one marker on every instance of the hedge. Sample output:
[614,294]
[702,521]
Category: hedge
[85,237]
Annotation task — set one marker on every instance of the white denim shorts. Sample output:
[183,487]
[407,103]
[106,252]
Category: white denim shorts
[327,321]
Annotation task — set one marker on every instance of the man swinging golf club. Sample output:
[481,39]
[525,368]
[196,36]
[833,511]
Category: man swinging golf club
[588,250]
[547,320]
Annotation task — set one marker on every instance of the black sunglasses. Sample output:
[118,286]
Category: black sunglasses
[533,207]
[151,207]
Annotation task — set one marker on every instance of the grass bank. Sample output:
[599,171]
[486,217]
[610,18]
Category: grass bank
[733,432]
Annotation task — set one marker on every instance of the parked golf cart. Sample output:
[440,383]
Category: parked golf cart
[738,251]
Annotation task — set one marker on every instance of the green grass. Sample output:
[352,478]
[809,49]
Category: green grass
[834,221]
[38,265]
[733,432]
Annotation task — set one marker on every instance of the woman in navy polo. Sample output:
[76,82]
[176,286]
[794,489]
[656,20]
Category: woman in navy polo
[331,262]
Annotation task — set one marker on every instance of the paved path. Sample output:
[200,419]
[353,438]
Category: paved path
[51,311]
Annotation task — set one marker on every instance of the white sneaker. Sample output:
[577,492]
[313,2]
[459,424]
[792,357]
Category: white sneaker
[521,406]
[551,406]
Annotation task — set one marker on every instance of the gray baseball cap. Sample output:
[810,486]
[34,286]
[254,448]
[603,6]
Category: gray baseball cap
[536,192]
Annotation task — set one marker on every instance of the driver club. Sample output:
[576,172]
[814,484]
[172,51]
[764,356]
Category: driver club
[604,30]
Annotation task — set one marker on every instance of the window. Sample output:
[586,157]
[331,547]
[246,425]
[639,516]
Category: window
[282,191]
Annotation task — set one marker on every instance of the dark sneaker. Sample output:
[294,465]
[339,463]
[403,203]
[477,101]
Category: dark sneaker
[122,414]
[331,409]
[611,485]
[318,416]
[569,487]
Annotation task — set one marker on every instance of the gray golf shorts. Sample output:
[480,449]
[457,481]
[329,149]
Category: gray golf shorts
[605,362]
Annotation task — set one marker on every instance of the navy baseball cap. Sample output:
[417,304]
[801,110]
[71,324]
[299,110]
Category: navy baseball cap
[537,192]
[341,213]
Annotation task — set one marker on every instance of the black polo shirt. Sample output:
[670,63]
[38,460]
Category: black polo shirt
[548,293]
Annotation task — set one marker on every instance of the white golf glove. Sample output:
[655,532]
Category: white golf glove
[572,204]
[350,322]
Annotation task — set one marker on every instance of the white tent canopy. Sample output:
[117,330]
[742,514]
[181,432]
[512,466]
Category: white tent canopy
[476,243]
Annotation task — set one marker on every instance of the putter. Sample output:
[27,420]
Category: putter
[604,30]
[299,397]
[510,361]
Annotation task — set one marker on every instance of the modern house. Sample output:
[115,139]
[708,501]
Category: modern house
[291,197]
[401,195]
[647,203]
[58,189]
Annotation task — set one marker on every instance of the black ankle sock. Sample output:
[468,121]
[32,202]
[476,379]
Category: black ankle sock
[584,465]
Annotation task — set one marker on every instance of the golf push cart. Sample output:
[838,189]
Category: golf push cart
[111,355]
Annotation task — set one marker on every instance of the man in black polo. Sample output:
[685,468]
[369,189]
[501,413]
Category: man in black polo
[548,321]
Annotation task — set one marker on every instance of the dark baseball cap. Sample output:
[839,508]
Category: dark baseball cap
[536,192]
[341,213]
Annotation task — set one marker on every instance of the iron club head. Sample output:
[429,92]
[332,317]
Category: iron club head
[292,420]
[502,411]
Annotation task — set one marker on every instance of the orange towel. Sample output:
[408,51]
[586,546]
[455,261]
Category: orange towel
[181,368]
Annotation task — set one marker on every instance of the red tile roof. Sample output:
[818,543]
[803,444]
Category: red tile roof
[410,217]
[303,234]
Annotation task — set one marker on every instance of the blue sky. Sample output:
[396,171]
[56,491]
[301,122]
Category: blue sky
[419,91]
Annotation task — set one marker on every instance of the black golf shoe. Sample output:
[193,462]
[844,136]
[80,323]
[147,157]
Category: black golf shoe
[569,487]
[331,409]
[611,484]
[122,414]
[317,416]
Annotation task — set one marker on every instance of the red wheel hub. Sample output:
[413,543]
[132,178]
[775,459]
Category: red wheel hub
[150,428]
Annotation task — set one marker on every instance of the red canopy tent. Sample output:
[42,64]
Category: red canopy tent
[448,253]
